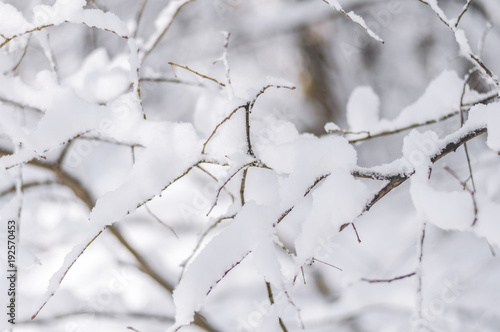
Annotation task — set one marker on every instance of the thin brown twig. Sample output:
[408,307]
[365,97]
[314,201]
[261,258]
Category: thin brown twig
[371,33]
[318,260]
[248,108]
[471,192]
[242,187]
[22,56]
[389,280]
[160,37]
[197,73]
[396,131]
[28,185]
[247,126]
[9,39]
[218,125]
[138,17]
[472,56]
[14,103]
[271,300]
[200,240]
[132,329]
[469,76]
[170,80]
[252,163]
[356,231]
[155,217]
[464,10]
[99,314]
[204,170]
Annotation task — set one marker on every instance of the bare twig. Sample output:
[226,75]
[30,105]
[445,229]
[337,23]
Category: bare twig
[418,273]
[155,217]
[318,260]
[253,163]
[271,300]
[247,126]
[204,170]
[473,58]
[355,18]
[248,108]
[242,187]
[464,10]
[169,24]
[482,41]
[14,69]
[132,329]
[9,39]
[98,314]
[14,103]
[139,17]
[396,131]
[197,73]
[28,185]
[389,280]
[202,237]
[469,76]
[471,192]
[170,80]
[356,231]
[217,127]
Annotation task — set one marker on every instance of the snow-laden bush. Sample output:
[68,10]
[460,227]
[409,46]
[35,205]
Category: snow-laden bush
[161,178]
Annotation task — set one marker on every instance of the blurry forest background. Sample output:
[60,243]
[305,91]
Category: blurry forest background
[126,276]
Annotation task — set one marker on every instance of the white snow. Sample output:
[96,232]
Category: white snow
[331,126]
[12,22]
[339,199]
[355,18]
[249,229]
[363,109]
[58,13]
[163,21]
[99,79]
[448,210]
[105,21]
[441,98]
[302,160]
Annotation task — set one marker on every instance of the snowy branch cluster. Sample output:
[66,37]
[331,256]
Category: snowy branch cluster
[164,180]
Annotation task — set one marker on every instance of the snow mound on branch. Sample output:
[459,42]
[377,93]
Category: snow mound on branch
[62,10]
[336,201]
[488,116]
[448,210]
[440,99]
[12,22]
[251,227]
[153,170]
[99,80]
[72,11]
[303,160]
